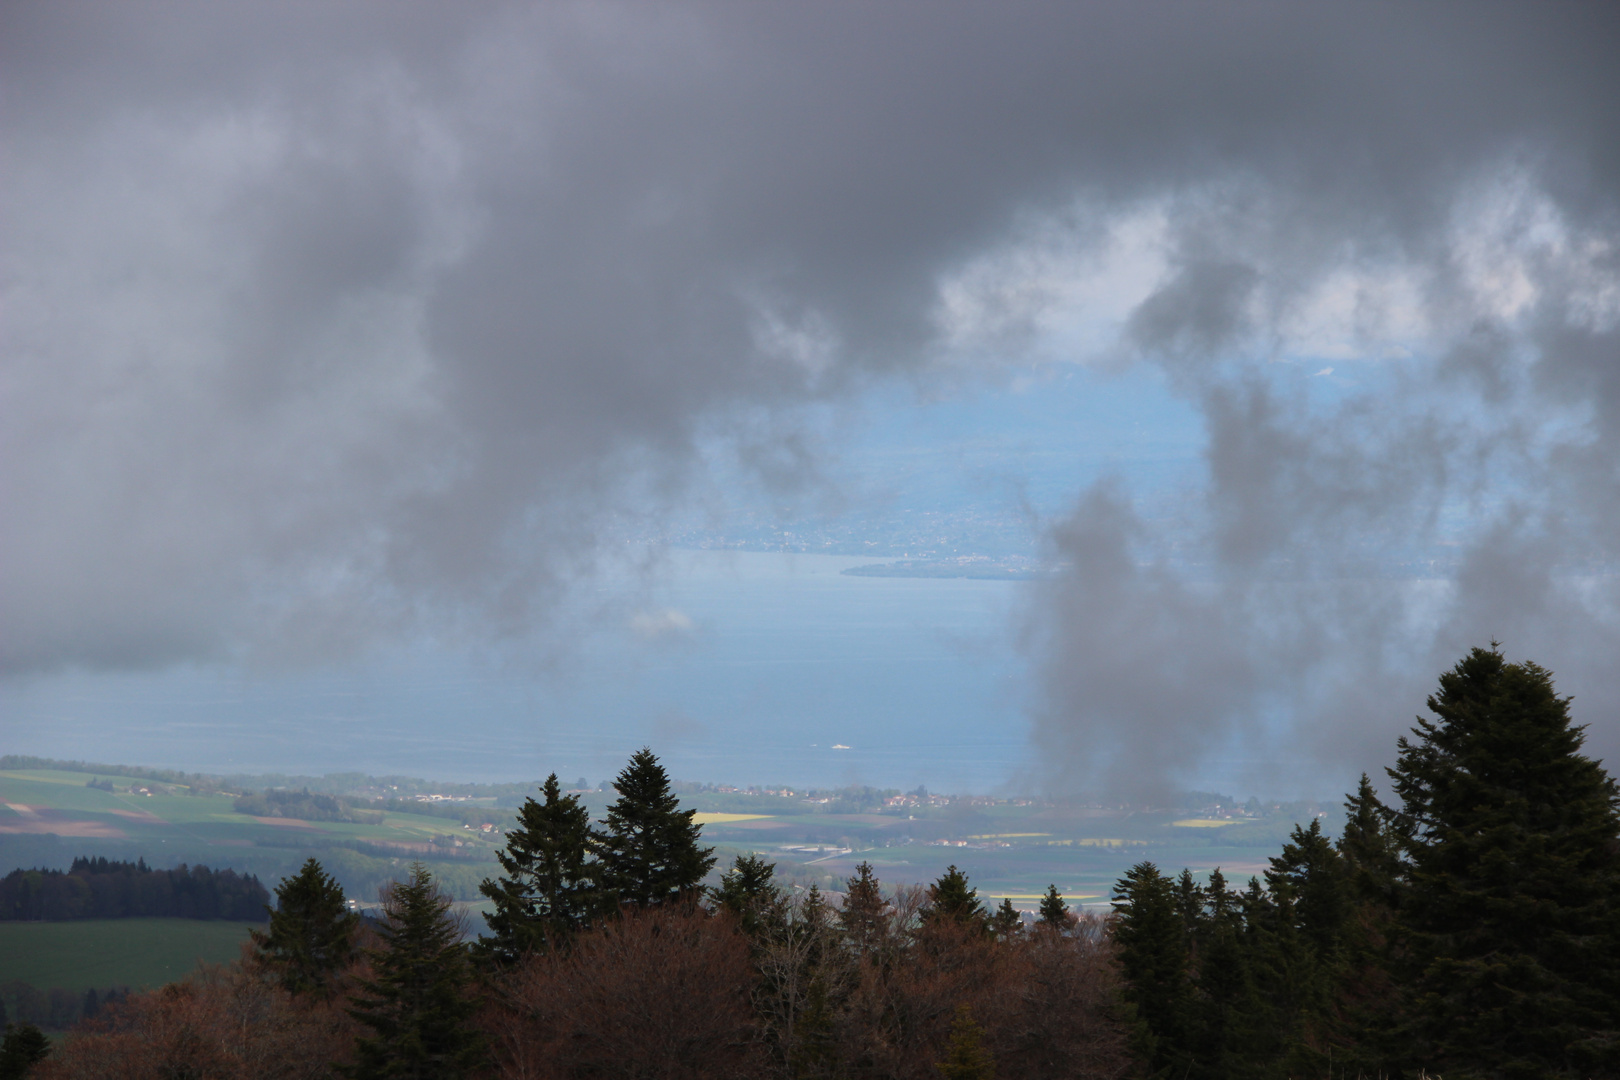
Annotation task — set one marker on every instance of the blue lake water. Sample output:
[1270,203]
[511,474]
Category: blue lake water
[735,667]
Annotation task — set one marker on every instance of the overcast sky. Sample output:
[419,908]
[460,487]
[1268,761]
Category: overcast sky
[325,327]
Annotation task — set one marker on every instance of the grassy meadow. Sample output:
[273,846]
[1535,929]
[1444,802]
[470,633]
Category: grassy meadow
[99,953]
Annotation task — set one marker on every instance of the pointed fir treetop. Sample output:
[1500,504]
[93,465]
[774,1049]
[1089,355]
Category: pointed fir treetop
[748,890]
[1189,899]
[416,1002]
[1368,847]
[552,887]
[1155,960]
[1222,904]
[1511,879]
[813,910]
[651,853]
[1007,920]
[311,936]
[951,898]
[864,913]
[1501,751]
[418,923]
[1310,871]
[1054,912]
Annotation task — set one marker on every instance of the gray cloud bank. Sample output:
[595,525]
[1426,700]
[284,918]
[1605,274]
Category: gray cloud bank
[325,323]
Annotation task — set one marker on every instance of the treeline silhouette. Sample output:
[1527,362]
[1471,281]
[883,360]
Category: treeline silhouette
[1470,929]
[304,806]
[101,889]
[604,957]
[56,1009]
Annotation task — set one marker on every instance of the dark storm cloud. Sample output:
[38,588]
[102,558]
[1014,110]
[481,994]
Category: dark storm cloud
[324,322]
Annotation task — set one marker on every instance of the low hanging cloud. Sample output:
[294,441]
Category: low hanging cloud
[1344,549]
[331,324]
[664,623]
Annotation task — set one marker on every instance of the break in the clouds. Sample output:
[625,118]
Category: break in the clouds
[329,323]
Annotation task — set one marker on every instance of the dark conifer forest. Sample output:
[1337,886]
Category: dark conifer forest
[1466,927]
[100,889]
[1471,928]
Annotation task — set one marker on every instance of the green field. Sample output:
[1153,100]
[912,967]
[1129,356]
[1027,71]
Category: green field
[48,817]
[100,953]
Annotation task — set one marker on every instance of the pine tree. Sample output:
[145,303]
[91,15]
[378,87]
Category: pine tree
[951,899]
[1366,1003]
[651,854]
[1007,920]
[813,909]
[749,892]
[1275,958]
[416,1002]
[312,933]
[1368,847]
[1509,915]
[864,914]
[1229,1015]
[1323,902]
[552,888]
[1153,958]
[1314,909]
[1189,902]
[965,1056]
[1054,912]
[814,919]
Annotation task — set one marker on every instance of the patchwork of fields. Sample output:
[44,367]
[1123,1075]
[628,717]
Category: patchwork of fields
[60,803]
[48,817]
[1008,848]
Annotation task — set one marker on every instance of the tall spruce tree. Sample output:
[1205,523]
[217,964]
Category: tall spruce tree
[1189,902]
[1277,959]
[1227,1021]
[1365,1002]
[651,854]
[552,887]
[1153,958]
[1054,912]
[312,933]
[864,914]
[749,891]
[1304,941]
[1368,847]
[1509,919]
[1007,921]
[951,899]
[416,1002]
[1313,869]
